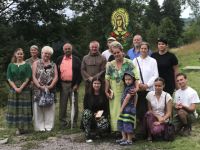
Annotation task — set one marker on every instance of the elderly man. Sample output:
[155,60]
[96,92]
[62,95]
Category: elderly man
[135,51]
[93,65]
[69,79]
[185,99]
[107,53]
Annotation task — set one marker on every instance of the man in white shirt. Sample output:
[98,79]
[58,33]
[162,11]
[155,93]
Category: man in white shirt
[185,99]
[107,53]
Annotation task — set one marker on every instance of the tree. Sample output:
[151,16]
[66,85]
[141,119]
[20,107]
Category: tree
[172,10]
[152,35]
[168,30]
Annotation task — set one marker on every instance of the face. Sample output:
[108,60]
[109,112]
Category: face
[34,52]
[67,49]
[19,55]
[158,86]
[182,82]
[128,79]
[119,21]
[94,48]
[118,54]
[144,50]
[162,46]
[96,85]
[46,56]
[137,40]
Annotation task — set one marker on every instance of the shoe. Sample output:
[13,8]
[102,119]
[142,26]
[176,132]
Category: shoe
[125,143]
[149,139]
[89,141]
[119,141]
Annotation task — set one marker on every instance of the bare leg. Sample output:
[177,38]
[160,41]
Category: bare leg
[130,136]
[124,136]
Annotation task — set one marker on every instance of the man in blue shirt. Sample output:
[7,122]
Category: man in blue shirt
[135,51]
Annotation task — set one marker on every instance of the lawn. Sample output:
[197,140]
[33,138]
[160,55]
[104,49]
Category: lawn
[187,55]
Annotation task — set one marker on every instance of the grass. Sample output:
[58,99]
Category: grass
[187,55]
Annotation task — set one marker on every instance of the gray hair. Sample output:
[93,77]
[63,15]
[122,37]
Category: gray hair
[47,49]
[34,47]
[117,45]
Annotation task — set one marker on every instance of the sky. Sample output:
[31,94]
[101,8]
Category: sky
[185,13]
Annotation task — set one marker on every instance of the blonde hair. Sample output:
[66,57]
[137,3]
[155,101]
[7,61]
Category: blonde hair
[47,49]
[14,59]
[34,47]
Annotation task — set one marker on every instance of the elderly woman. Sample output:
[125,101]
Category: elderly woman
[45,77]
[19,112]
[34,55]
[147,67]
[167,65]
[114,73]
[159,109]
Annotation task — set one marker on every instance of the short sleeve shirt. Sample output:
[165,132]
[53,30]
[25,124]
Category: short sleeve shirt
[158,106]
[186,97]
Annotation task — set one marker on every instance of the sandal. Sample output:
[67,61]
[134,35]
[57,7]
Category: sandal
[119,141]
[124,143]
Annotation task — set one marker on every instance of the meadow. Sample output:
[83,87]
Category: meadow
[188,55]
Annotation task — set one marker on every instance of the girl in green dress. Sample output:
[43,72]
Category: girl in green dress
[19,113]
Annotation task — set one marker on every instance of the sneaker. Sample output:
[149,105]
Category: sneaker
[125,143]
[89,141]
[119,141]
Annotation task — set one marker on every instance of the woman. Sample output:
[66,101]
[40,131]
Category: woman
[114,73]
[45,77]
[95,112]
[19,112]
[159,109]
[147,67]
[34,55]
[167,65]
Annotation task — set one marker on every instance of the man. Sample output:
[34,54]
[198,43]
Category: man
[93,65]
[69,79]
[185,105]
[135,51]
[107,53]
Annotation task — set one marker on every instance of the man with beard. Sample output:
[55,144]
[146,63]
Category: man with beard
[69,79]
[135,51]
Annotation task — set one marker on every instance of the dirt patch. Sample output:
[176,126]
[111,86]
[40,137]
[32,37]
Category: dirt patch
[64,142]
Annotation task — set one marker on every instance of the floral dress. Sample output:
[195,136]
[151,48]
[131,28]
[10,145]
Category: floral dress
[114,76]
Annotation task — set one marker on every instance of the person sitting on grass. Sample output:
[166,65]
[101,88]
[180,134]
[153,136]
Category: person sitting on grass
[186,99]
[126,121]
[159,110]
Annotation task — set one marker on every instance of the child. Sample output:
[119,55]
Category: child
[127,117]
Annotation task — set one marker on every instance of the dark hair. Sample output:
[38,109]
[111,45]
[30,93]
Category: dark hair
[162,39]
[160,79]
[91,91]
[181,74]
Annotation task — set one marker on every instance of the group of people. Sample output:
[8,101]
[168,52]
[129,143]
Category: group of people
[128,93]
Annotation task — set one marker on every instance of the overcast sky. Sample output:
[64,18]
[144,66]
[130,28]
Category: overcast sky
[184,14]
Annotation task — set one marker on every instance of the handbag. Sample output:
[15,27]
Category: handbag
[169,132]
[46,99]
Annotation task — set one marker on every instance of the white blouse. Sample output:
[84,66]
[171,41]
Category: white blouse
[158,105]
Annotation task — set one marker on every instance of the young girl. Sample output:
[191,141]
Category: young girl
[126,119]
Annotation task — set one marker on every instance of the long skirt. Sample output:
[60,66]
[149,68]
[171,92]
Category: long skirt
[19,112]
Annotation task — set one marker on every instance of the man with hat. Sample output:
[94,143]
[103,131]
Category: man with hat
[107,53]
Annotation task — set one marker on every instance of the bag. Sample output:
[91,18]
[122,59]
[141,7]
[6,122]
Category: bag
[169,132]
[46,99]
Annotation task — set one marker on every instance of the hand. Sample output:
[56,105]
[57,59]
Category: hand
[108,95]
[156,123]
[160,119]
[75,87]
[133,91]
[18,90]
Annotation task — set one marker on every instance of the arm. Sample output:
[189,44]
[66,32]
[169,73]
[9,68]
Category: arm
[125,102]
[175,68]
[107,86]
[84,74]
[169,110]
[78,73]
[55,79]
[191,108]
[102,67]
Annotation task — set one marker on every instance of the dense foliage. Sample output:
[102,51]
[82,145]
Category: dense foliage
[44,22]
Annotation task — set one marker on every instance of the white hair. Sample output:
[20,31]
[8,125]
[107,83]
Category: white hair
[34,47]
[47,49]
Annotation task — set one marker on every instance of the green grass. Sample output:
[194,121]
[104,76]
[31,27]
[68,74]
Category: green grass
[187,55]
